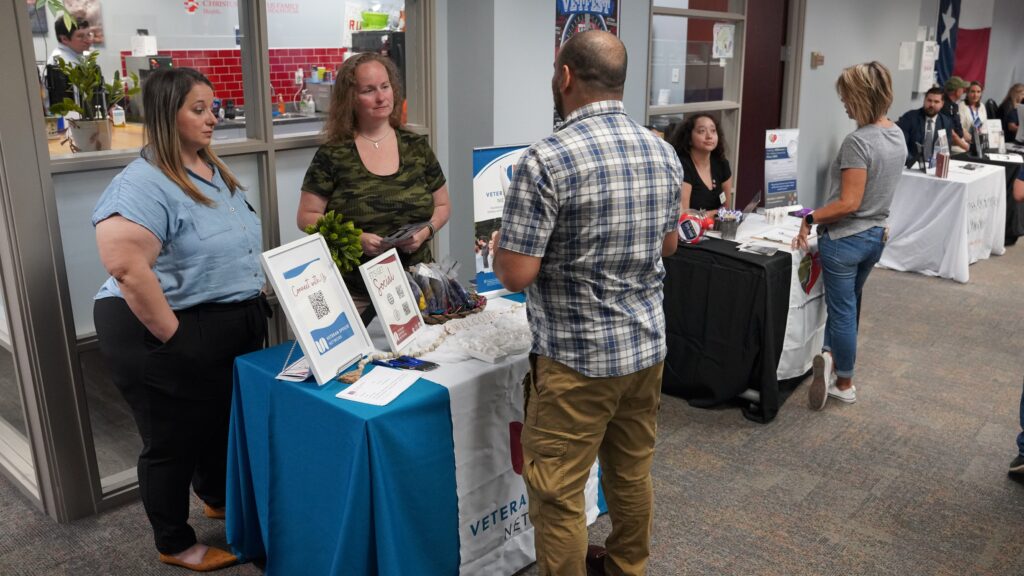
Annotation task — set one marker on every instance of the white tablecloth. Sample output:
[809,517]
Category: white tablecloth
[940,226]
[805,321]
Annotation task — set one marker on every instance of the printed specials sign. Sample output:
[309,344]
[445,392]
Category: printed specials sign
[392,298]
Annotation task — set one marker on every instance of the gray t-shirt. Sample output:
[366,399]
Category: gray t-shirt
[882,151]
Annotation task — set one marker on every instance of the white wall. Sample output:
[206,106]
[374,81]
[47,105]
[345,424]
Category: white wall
[524,53]
[867,30]
[1005,49]
[494,88]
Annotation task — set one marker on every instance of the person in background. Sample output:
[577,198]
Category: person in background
[1018,187]
[852,225]
[707,178]
[954,90]
[72,43]
[1008,111]
[972,111]
[590,213]
[376,174]
[184,298]
[922,126]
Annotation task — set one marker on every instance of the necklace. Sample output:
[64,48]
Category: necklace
[376,143]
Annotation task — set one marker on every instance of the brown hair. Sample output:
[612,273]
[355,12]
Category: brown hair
[1013,96]
[866,89]
[682,138]
[967,98]
[163,95]
[341,118]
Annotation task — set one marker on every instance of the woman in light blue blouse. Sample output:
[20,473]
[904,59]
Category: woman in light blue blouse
[184,298]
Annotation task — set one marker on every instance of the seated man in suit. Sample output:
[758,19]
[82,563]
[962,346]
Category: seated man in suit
[922,126]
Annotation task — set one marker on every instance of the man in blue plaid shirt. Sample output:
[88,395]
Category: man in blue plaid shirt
[590,213]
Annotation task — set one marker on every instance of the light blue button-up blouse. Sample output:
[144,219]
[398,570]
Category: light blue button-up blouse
[208,253]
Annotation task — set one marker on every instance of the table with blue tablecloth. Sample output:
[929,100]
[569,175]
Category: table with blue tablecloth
[318,485]
[424,485]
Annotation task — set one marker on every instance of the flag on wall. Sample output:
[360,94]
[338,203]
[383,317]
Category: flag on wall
[963,33]
[946,34]
[972,39]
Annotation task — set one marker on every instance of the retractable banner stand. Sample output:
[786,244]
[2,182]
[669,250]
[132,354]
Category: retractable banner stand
[492,173]
[780,168]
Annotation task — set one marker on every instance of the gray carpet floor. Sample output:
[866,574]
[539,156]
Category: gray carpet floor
[910,480]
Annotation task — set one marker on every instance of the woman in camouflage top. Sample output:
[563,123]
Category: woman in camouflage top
[372,171]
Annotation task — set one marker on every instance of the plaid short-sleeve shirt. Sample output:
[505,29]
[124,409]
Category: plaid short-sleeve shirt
[594,201]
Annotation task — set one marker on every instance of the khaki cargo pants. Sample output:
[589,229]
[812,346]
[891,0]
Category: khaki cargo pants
[570,420]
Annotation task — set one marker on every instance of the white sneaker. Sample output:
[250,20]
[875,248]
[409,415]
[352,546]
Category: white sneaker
[849,395]
[822,380]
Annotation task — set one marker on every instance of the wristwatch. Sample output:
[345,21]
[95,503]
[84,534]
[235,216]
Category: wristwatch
[432,230]
[809,219]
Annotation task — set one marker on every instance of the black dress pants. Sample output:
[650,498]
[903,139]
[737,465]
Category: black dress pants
[180,395]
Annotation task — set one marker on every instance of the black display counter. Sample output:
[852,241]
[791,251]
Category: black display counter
[725,314]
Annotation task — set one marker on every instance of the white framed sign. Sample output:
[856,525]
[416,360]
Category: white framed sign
[318,306]
[392,298]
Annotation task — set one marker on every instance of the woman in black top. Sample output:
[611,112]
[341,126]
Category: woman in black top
[707,179]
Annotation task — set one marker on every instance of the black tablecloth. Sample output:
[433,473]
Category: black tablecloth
[1014,209]
[725,314]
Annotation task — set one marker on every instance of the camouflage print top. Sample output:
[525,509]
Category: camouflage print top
[378,204]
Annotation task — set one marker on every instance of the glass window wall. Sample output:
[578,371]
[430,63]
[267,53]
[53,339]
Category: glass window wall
[132,39]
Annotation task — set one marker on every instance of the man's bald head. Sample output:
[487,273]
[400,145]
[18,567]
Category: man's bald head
[597,59]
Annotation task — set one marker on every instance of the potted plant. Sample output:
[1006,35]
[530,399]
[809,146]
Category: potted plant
[89,128]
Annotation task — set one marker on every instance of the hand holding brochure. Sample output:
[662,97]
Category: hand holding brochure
[403,233]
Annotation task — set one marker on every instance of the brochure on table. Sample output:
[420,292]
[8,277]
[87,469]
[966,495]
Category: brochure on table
[492,173]
[392,298]
[318,306]
[780,168]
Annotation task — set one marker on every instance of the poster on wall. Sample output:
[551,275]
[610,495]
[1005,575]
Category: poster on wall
[317,305]
[492,173]
[88,10]
[724,36]
[575,16]
[780,171]
[929,54]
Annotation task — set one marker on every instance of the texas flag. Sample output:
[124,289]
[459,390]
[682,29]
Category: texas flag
[963,32]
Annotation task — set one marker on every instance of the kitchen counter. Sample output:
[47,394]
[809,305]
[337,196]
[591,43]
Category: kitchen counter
[129,137]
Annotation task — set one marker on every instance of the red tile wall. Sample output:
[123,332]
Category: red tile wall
[224,68]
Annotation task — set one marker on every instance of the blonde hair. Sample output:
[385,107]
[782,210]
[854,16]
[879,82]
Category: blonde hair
[341,122]
[866,89]
[163,95]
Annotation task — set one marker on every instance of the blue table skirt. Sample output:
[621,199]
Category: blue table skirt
[320,485]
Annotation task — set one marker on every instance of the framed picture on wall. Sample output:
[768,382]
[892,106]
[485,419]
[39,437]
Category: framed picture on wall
[37,16]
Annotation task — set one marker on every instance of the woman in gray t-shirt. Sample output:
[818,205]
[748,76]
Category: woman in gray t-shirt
[851,226]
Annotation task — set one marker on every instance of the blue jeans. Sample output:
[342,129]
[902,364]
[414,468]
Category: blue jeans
[1020,437]
[845,264]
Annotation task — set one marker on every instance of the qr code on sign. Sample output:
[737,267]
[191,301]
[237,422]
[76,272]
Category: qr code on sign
[319,303]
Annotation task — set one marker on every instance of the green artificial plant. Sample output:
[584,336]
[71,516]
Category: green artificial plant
[342,240]
[86,77]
